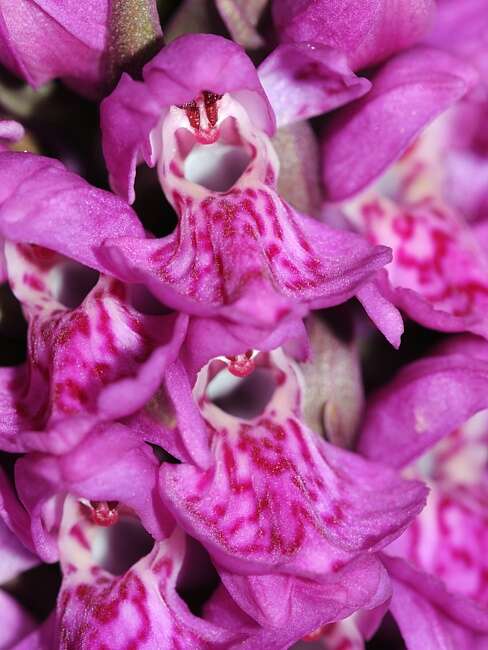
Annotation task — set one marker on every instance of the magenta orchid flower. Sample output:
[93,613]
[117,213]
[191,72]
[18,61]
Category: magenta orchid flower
[91,358]
[275,504]
[139,609]
[237,244]
[438,275]
[438,566]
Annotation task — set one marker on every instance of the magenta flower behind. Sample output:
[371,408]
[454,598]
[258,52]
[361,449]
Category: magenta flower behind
[205,441]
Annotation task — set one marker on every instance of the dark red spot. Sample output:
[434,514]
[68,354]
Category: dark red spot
[210,102]
[192,111]
[33,282]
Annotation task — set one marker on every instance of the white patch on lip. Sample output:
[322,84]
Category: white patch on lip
[216,166]
[222,384]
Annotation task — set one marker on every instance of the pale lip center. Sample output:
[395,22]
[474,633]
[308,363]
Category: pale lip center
[216,166]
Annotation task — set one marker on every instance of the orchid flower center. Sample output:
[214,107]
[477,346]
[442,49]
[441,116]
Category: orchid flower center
[104,513]
[210,146]
[272,383]
[202,112]
[242,365]
[104,534]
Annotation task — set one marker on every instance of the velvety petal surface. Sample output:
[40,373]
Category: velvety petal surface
[408,92]
[111,465]
[247,256]
[460,27]
[303,80]
[426,401]
[376,298]
[208,338]
[439,272]
[43,203]
[14,556]
[44,39]
[140,608]
[291,608]
[367,31]
[15,623]
[172,420]
[431,617]
[449,538]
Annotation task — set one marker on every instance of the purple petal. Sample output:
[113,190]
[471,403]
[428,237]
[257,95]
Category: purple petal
[110,465]
[426,401]
[306,79]
[460,28]
[44,39]
[14,558]
[208,338]
[127,117]
[289,608]
[10,131]
[140,609]
[376,300]
[43,203]
[467,183]
[16,519]
[66,380]
[367,32]
[431,617]
[15,623]
[408,92]
[449,538]
[282,263]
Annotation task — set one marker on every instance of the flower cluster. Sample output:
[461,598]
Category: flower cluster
[210,425]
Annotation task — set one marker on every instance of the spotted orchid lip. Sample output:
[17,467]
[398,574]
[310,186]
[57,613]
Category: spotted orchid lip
[237,243]
[66,380]
[236,240]
[258,462]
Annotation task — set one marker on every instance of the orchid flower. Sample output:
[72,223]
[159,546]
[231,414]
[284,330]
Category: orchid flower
[239,251]
[84,343]
[207,443]
[281,509]
[438,275]
[438,565]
